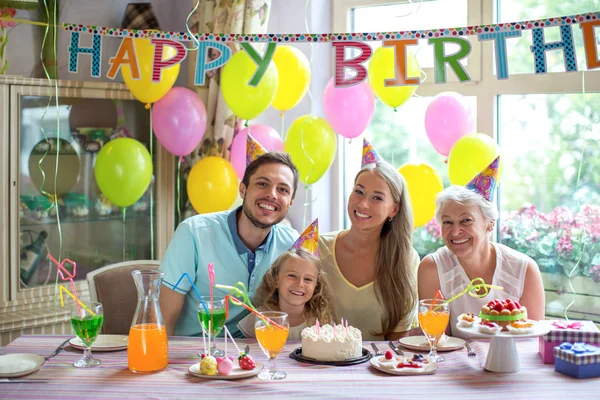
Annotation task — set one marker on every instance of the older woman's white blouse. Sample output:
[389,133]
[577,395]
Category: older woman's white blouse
[511,267]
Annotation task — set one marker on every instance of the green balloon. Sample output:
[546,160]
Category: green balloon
[311,144]
[123,171]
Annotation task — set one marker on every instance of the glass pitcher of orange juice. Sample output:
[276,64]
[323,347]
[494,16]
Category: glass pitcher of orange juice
[147,349]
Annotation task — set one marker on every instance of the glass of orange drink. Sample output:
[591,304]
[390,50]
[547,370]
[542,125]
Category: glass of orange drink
[433,319]
[272,333]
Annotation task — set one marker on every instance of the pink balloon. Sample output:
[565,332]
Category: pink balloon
[448,118]
[349,109]
[265,135]
[179,121]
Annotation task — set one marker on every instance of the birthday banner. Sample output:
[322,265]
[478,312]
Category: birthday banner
[170,44]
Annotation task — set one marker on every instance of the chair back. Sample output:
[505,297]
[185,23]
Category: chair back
[113,286]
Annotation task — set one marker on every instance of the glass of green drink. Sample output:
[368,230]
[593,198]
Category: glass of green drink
[215,314]
[87,323]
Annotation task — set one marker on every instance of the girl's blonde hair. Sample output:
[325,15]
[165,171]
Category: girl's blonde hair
[395,279]
[319,305]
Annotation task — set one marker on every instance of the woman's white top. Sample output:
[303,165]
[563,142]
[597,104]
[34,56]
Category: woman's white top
[509,274]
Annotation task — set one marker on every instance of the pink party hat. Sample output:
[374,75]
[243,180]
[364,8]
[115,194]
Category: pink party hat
[309,240]
[369,154]
[253,150]
[485,181]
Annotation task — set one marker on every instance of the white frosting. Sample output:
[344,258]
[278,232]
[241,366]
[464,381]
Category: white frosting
[323,344]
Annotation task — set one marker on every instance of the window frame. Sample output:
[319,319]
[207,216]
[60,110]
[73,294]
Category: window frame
[486,90]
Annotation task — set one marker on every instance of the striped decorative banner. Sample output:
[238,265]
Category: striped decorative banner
[330,37]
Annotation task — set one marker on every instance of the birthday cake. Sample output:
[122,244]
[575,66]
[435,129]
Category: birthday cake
[331,343]
[503,313]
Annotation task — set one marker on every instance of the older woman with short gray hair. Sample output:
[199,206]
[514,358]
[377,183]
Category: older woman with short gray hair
[467,217]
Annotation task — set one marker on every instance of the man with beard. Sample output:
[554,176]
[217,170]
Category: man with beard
[241,243]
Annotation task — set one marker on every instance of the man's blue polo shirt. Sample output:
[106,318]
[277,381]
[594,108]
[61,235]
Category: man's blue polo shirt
[207,238]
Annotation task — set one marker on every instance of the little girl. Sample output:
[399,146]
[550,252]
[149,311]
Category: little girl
[294,284]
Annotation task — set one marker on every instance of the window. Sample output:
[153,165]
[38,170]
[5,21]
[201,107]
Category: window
[547,125]
[519,55]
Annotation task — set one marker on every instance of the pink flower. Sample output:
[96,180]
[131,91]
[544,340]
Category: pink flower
[10,13]
[433,229]
[533,236]
[595,273]
[564,245]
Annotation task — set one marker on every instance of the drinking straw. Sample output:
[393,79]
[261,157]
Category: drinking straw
[472,288]
[239,289]
[209,331]
[204,339]
[69,276]
[437,294]
[61,288]
[193,287]
[211,280]
[238,302]
[232,340]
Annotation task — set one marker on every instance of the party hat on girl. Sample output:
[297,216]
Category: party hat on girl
[309,240]
[369,154]
[484,182]
[253,150]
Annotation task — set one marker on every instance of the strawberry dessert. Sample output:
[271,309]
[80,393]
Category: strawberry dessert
[503,312]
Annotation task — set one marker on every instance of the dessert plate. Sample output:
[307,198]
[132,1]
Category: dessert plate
[15,365]
[539,329]
[428,369]
[103,343]
[236,373]
[420,343]
[297,355]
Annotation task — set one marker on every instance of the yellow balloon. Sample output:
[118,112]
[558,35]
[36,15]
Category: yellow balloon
[382,66]
[294,77]
[470,155]
[212,185]
[144,89]
[311,143]
[423,184]
[247,102]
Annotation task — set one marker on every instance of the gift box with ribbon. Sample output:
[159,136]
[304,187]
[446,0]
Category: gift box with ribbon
[566,331]
[578,360]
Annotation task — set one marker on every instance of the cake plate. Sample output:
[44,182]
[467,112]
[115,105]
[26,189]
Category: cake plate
[502,355]
[298,356]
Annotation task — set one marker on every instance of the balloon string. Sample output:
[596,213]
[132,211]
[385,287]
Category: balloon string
[581,242]
[310,201]
[310,47]
[3,60]
[47,109]
[151,190]
[124,212]
[282,127]
[187,28]
[179,191]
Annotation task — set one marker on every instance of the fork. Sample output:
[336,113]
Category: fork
[58,349]
[377,351]
[470,351]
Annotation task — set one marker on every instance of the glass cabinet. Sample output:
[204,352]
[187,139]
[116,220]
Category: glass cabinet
[54,205]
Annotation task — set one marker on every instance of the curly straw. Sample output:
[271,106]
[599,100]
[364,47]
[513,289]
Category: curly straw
[472,288]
